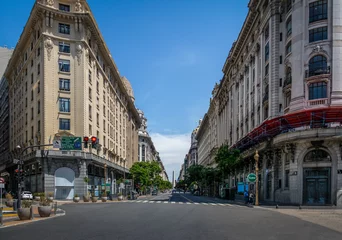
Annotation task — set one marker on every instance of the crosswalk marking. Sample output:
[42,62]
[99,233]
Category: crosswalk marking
[186,203]
[214,204]
[159,202]
[145,201]
[173,202]
[221,204]
[166,202]
[196,203]
[205,203]
[180,202]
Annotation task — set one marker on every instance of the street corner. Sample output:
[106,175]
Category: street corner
[11,221]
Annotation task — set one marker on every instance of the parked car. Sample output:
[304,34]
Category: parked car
[26,195]
[154,192]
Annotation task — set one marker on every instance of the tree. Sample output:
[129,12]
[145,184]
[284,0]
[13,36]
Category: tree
[146,174]
[227,160]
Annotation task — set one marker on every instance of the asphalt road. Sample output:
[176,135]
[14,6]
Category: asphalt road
[168,217]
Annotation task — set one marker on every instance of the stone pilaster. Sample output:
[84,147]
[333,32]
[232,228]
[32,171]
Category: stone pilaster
[274,66]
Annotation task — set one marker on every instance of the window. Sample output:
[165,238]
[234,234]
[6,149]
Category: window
[266,69]
[267,52]
[287,99]
[104,110]
[25,86]
[32,132]
[64,28]
[89,59]
[280,59]
[32,63]
[64,7]
[90,93]
[32,95]
[64,47]
[97,119]
[318,65]
[90,130]
[289,26]
[318,34]
[90,114]
[280,107]
[31,46]
[64,104]
[287,178]
[38,107]
[38,68]
[32,113]
[38,52]
[281,37]
[64,84]
[31,78]
[97,72]
[89,76]
[280,82]
[288,49]
[288,79]
[25,71]
[104,125]
[38,126]
[143,153]
[64,65]
[25,102]
[64,124]
[317,90]
[318,11]
[267,32]
[288,5]
[98,87]
[26,118]
[38,88]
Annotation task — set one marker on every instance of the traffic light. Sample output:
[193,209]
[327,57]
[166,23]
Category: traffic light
[85,140]
[94,142]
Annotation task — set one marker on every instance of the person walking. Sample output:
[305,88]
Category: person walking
[246,197]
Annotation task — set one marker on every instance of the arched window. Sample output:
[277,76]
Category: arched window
[318,65]
[143,153]
[317,155]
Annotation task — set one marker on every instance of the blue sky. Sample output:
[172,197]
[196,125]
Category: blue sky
[172,52]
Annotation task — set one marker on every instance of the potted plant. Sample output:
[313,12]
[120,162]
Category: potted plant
[94,198]
[36,196]
[9,200]
[24,211]
[104,198]
[76,198]
[44,208]
[120,196]
[86,198]
[50,196]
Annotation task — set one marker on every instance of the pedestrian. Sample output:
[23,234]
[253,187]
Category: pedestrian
[251,198]
[246,197]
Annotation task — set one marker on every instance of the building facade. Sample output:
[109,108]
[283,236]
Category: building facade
[281,94]
[63,81]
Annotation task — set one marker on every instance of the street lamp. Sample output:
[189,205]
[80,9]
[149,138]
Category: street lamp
[19,178]
[256,157]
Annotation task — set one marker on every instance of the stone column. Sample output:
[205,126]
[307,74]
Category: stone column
[274,61]
[336,94]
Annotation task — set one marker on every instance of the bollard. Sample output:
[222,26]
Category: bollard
[1,215]
[15,204]
[31,213]
[55,208]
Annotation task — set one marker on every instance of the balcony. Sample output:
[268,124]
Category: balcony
[315,102]
[317,71]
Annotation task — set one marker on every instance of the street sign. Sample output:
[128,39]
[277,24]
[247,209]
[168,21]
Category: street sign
[2,185]
[57,143]
[251,177]
[71,143]
[17,161]
[2,180]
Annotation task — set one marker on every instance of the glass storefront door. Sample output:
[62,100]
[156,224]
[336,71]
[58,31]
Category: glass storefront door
[317,190]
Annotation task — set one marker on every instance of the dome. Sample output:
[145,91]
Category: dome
[128,87]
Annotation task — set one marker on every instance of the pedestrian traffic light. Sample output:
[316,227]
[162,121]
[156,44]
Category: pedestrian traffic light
[85,140]
[94,142]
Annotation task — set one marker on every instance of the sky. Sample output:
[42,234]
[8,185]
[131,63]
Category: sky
[172,52]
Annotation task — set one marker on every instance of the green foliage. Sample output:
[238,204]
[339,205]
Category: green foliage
[9,197]
[76,195]
[86,180]
[228,160]
[146,174]
[26,204]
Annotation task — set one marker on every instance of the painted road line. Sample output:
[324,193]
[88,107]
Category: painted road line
[213,204]
[165,202]
[151,202]
[159,202]
[221,204]
[205,203]
[180,202]
[188,203]
[196,203]
[173,202]
[139,201]
[227,204]
[145,201]
[186,198]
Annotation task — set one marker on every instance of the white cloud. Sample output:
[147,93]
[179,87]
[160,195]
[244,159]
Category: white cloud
[172,149]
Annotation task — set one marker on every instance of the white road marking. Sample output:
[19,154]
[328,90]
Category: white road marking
[145,201]
[221,204]
[139,201]
[229,205]
[165,202]
[196,203]
[214,204]
[205,203]
[159,202]
[180,202]
[151,202]
[173,202]
[188,203]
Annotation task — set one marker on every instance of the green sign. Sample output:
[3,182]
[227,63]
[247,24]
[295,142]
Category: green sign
[251,177]
[71,143]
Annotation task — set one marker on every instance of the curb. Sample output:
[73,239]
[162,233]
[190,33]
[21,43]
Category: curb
[60,213]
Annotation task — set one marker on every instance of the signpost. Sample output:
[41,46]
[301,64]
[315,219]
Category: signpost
[71,143]
[251,177]
[2,185]
[57,143]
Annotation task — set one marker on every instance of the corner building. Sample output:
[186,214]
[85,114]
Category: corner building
[281,94]
[63,81]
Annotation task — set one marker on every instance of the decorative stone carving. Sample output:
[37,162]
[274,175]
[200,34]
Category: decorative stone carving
[49,47]
[318,49]
[86,52]
[50,2]
[88,33]
[79,53]
[78,6]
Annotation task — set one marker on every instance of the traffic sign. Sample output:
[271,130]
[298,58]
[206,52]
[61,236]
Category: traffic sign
[71,143]
[57,143]
[17,161]
[2,185]
[251,177]
[2,180]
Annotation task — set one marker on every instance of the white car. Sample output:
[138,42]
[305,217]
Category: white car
[26,195]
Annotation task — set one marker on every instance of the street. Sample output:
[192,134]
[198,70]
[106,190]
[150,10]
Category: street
[176,216]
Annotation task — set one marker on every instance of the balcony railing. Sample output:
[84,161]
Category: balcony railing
[315,102]
[317,71]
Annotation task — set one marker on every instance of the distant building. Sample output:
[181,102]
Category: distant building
[146,150]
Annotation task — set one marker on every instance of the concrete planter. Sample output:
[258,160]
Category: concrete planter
[9,203]
[77,199]
[50,199]
[120,198]
[85,199]
[94,199]
[104,199]
[37,198]
[24,213]
[44,211]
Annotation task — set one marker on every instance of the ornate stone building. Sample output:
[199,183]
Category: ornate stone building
[281,94]
[146,150]
[63,81]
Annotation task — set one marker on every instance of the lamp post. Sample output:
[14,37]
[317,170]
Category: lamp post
[105,180]
[256,157]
